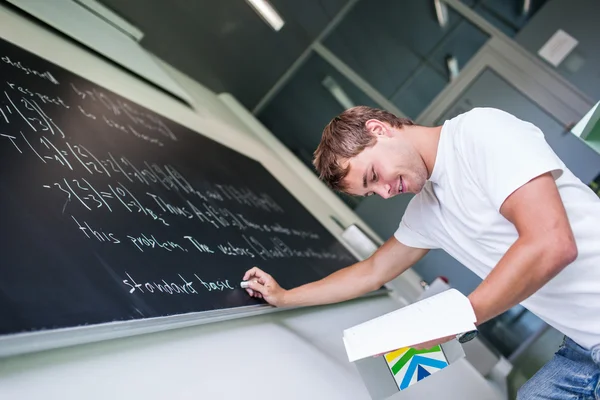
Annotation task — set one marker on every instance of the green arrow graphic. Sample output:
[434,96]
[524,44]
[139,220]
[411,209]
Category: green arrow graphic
[409,354]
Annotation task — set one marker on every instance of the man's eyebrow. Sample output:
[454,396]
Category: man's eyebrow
[365,178]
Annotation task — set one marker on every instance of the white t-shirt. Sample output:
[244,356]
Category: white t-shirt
[483,156]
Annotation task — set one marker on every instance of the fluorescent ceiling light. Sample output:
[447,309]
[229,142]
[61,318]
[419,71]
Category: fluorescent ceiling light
[267,12]
[526,6]
[337,92]
[452,64]
[441,12]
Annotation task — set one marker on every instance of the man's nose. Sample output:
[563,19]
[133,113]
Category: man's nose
[384,191]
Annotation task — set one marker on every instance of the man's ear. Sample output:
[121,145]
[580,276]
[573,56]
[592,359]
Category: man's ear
[376,127]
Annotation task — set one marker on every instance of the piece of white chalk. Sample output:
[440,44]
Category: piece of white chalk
[245,284]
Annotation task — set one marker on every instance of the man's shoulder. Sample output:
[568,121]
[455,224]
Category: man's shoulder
[479,119]
[487,126]
[485,113]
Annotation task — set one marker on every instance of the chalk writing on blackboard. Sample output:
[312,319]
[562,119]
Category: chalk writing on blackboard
[207,205]
[44,75]
[114,212]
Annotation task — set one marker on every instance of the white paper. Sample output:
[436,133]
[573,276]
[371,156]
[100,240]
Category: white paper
[558,47]
[445,314]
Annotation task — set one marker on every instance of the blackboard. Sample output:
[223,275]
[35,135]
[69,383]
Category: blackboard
[112,212]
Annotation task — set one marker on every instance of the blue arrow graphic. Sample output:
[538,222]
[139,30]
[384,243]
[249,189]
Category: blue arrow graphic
[416,362]
[422,373]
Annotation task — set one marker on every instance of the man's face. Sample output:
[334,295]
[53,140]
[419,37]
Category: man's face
[390,167]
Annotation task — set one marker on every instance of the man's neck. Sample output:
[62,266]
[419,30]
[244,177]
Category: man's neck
[426,140]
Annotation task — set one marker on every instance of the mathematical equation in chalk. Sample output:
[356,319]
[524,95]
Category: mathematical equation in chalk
[212,204]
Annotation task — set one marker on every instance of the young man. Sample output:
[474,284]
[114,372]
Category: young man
[491,192]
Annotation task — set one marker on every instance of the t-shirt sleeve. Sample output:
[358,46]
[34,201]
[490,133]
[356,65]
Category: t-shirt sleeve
[504,153]
[409,232]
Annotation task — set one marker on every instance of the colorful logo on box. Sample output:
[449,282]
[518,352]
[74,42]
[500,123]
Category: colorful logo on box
[409,366]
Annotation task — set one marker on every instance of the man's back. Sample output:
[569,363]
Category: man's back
[483,156]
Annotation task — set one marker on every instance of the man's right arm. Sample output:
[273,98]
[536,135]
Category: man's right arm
[389,261]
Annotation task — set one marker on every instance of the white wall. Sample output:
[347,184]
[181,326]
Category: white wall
[291,354]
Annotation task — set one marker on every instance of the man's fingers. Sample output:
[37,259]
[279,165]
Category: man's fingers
[249,273]
[432,343]
[425,345]
[258,283]
[256,273]
[256,286]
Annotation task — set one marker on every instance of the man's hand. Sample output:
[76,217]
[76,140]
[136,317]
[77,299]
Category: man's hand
[435,342]
[424,345]
[263,286]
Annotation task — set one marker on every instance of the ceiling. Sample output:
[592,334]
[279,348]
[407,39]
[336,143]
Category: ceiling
[224,44]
